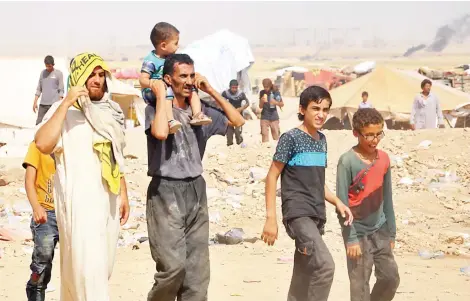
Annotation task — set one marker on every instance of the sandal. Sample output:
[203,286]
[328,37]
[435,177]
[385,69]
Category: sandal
[200,119]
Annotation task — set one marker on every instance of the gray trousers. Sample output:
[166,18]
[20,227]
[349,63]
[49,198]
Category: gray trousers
[314,267]
[178,230]
[376,250]
[238,135]
[41,112]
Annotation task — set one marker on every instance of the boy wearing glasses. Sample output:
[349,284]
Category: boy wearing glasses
[364,184]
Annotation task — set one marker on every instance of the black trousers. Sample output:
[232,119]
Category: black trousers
[178,229]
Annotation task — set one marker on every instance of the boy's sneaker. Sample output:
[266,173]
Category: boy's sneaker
[174,125]
[200,119]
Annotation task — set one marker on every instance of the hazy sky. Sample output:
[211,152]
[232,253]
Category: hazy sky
[74,26]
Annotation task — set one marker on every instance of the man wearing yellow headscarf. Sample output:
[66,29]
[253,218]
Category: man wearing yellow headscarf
[85,134]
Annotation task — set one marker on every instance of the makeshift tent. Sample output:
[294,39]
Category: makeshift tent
[221,57]
[392,92]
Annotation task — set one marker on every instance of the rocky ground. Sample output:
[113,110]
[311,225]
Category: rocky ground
[431,180]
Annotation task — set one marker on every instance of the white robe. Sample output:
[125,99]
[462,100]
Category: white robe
[87,213]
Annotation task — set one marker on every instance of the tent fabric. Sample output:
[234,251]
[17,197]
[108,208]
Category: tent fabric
[391,92]
[221,57]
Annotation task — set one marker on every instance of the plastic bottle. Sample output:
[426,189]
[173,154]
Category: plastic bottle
[425,254]
[271,96]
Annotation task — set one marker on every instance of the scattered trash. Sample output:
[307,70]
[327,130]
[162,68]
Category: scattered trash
[465,270]
[232,237]
[22,207]
[133,226]
[406,181]
[449,177]
[285,259]
[258,174]
[22,190]
[251,281]
[425,254]
[243,145]
[129,156]
[234,190]
[213,193]
[235,295]
[396,161]
[235,201]
[214,217]
[425,144]
[142,239]
[28,250]
[50,288]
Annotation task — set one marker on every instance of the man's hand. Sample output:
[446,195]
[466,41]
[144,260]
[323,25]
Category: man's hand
[345,213]
[413,127]
[441,126]
[392,245]
[270,231]
[74,94]
[354,251]
[35,107]
[39,215]
[124,210]
[202,84]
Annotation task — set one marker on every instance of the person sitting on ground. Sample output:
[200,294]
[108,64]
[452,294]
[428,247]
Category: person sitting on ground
[165,39]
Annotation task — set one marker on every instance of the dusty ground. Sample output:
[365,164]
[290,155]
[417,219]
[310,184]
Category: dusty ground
[252,271]
[433,214]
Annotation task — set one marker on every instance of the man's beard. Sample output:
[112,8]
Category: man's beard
[96,96]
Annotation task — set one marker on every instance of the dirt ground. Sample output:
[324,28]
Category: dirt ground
[432,205]
[253,271]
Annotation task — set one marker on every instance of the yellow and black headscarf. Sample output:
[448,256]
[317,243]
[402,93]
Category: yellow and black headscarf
[82,65]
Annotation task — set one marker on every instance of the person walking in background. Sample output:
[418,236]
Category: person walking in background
[426,110]
[50,88]
[365,103]
[240,102]
[269,100]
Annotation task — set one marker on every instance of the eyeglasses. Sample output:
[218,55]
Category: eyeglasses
[371,137]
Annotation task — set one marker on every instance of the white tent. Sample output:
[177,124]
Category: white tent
[221,57]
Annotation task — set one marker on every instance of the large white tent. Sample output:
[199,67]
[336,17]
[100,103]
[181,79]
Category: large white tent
[221,57]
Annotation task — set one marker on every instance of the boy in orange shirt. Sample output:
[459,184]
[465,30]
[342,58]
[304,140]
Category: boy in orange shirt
[40,171]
